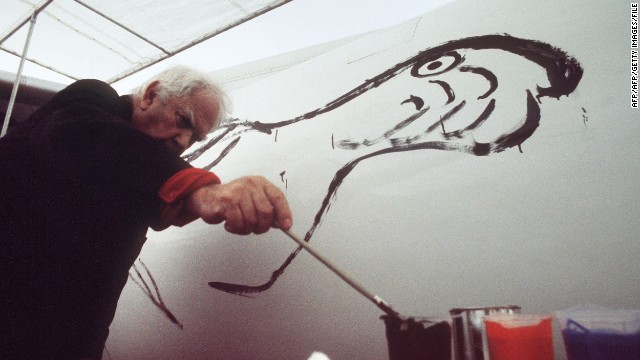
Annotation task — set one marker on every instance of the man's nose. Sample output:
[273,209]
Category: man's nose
[183,139]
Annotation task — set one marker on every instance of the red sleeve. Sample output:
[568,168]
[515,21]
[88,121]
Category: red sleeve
[173,191]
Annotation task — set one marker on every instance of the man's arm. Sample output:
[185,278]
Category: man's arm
[91,139]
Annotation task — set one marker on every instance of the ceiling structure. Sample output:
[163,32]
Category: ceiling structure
[110,40]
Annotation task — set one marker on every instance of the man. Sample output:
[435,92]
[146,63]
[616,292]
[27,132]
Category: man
[81,182]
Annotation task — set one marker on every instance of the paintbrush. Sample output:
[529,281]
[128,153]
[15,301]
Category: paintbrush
[383,305]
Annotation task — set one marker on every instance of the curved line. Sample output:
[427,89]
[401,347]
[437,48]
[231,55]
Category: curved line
[563,72]
[239,289]
[447,89]
[487,74]
[242,290]
[518,136]
[416,100]
[488,110]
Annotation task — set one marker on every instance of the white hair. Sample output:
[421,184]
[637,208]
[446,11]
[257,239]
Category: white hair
[180,81]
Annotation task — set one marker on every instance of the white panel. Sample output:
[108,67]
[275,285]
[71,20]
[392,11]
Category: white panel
[546,225]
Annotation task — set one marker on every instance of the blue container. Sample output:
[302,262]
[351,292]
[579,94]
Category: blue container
[600,345]
[595,333]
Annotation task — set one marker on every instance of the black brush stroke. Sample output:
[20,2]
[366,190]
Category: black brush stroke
[563,72]
[209,144]
[154,295]
[222,155]
[415,100]
[488,110]
[347,144]
[446,117]
[490,76]
[529,125]
[451,96]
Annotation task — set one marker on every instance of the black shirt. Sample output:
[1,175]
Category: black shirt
[78,191]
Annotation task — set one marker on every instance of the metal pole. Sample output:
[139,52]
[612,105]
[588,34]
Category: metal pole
[16,83]
[24,21]
[203,38]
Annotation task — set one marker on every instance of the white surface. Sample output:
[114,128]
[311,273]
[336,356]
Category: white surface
[548,228]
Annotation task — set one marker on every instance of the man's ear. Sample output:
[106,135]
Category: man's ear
[149,95]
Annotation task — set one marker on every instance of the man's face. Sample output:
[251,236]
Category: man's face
[178,122]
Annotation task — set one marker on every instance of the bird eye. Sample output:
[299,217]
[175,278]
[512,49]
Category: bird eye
[436,65]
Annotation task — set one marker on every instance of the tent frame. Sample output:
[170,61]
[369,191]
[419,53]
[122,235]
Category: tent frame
[167,54]
[16,83]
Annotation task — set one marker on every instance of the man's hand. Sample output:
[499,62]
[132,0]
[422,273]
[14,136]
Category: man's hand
[247,205]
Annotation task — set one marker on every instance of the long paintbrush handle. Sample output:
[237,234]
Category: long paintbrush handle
[374,298]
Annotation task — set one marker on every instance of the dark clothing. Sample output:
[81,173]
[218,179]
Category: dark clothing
[78,191]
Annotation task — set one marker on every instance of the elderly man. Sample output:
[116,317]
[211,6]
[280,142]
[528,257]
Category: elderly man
[82,180]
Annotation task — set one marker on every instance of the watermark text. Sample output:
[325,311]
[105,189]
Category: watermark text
[634,54]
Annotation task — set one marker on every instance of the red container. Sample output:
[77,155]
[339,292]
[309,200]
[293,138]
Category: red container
[519,337]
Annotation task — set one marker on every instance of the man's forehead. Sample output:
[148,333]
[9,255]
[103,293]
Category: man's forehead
[206,108]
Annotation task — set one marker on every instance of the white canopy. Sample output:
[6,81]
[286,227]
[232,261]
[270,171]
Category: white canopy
[110,40]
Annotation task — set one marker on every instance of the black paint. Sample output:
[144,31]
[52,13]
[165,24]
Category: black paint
[563,74]
[447,89]
[585,118]
[224,153]
[153,295]
[417,101]
[488,75]
[418,338]
[349,144]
